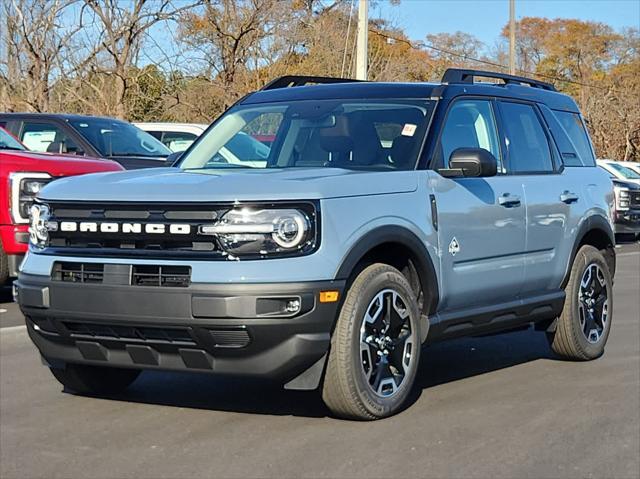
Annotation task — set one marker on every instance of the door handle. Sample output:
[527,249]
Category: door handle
[507,200]
[568,197]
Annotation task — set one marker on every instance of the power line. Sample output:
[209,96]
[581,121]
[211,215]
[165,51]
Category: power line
[423,45]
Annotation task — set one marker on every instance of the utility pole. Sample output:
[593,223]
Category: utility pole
[363,40]
[512,37]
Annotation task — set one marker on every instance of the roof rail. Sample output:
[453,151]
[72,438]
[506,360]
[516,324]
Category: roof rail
[302,80]
[458,75]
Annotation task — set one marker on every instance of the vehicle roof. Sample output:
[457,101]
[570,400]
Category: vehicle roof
[396,90]
[167,124]
[57,116]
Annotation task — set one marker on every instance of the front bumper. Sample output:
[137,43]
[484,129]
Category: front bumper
[627,222]
[238,329]
[13,240]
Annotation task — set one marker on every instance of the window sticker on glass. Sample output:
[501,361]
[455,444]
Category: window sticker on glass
[409,129]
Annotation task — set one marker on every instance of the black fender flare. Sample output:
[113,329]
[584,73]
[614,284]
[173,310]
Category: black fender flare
[396,234]
[593,222]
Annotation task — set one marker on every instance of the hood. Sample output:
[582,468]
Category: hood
[176,185]
[629,184]
[55,165]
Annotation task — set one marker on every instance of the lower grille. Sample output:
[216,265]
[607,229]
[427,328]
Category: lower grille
[78,272]
[178,336]
[230,338]
[133,275]
[169,276]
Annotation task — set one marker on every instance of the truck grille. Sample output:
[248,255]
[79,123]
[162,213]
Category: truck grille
[133,230]
[129,333]
[634,199]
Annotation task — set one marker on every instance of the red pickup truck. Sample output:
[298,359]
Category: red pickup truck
[22,174]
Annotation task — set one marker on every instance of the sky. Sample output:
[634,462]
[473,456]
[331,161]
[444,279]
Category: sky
[485,18]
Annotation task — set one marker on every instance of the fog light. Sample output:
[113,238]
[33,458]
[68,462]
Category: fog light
[293,306]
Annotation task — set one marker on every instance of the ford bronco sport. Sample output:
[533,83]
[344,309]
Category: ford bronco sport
[386,216]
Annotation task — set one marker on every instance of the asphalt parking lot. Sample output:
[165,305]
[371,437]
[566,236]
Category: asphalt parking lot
[498,406]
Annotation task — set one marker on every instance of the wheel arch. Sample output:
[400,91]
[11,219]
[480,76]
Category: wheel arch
[595,231]
[390,244]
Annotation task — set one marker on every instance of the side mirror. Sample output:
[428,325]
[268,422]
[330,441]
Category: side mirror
[172,159]
[471,162]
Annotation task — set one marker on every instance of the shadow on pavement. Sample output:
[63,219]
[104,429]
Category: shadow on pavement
[441,363]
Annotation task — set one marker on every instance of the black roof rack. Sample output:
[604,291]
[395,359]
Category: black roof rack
[458,75]
[302,80]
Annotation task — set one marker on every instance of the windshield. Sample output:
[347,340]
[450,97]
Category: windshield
[356,134]
[625,172]
[8,142]
[118,138]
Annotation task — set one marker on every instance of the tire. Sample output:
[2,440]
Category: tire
[83,379]
[580,336]
[368,345]
[4,266]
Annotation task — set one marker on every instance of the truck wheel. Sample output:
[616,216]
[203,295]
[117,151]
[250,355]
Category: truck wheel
[375,347]
[4,266]
[583,327]
[83,379]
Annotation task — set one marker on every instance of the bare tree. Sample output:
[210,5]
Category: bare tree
[35,40]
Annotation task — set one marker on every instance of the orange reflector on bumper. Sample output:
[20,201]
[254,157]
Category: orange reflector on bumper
[329,296]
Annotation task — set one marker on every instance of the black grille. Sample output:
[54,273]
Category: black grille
[132,275]
[78,272]
[169,276]
[230,338]
[127,232]
[179,336]
[635,199]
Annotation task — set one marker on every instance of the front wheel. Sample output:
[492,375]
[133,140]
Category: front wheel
[375,347]
[84,379]
[583,327]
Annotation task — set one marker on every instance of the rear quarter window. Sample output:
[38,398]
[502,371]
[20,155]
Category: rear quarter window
[574,128]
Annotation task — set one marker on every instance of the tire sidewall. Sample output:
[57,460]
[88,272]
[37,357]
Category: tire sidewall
[374,284]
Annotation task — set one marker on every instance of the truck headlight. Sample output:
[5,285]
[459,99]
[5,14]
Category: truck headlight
[622,198]
[24,187]
[265,232]
[39,225]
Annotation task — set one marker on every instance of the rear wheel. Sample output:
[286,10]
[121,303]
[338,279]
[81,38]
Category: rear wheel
[84,379]
[583,327]
[375,348]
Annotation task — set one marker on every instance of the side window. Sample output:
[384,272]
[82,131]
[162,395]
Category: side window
[470,124]
[47,138]
[177,140]
[574,128]
[527,143]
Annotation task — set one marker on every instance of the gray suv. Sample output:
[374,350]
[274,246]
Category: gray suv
[383,217]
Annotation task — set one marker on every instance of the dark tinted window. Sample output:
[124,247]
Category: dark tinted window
[47,137]
[573,126]
[118,138]
[527,142]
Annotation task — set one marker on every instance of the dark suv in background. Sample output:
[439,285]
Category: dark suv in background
[97,137]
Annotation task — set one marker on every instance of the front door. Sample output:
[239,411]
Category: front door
[481,221]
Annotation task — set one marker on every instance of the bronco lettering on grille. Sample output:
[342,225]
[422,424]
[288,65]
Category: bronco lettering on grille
[125,228]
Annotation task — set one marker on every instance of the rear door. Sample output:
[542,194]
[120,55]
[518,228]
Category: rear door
[549,192]
[481,221]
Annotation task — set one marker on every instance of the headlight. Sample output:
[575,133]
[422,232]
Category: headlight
[622,198]
[24,188]
[252,231]
[39,225]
